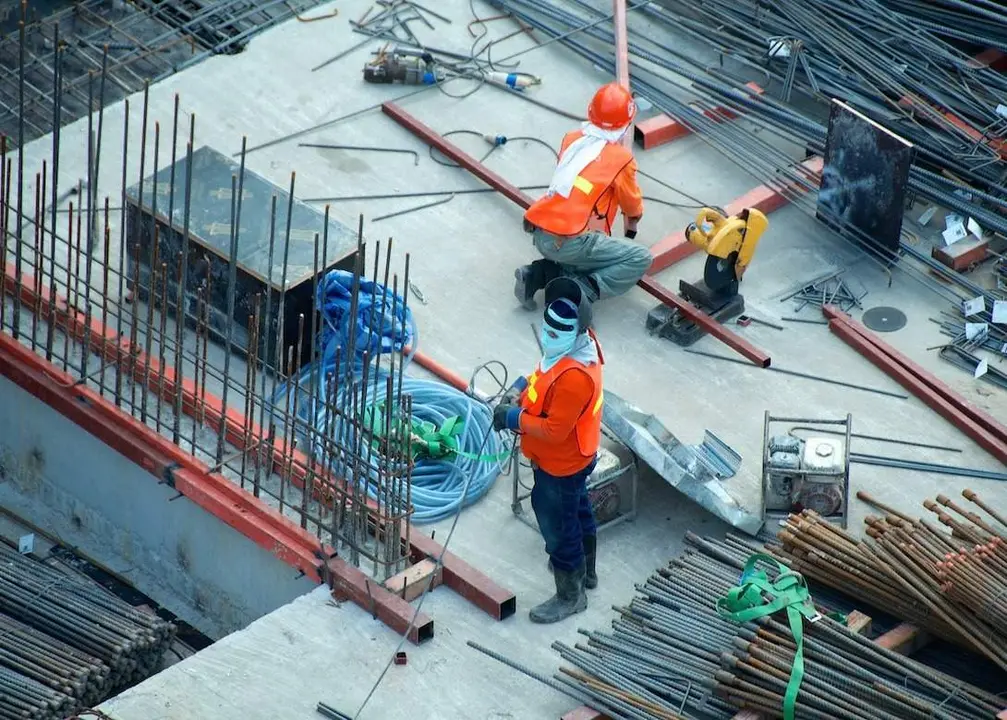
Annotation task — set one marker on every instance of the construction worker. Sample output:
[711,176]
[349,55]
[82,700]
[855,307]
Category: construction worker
[571,225]
[557,412]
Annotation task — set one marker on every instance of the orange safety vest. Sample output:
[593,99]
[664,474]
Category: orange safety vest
[586,437]
[583,210]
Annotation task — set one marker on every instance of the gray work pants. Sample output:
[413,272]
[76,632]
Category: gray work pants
[614,265]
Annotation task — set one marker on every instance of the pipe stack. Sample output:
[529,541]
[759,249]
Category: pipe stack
[65,643]
[951,583]
[670,655]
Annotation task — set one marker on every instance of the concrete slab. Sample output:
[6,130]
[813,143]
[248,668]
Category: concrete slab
[463,253]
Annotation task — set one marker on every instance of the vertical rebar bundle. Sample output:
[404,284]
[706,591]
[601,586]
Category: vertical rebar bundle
[949,582]
[148,324]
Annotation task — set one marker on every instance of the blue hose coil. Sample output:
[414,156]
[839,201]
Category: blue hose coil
[381,326]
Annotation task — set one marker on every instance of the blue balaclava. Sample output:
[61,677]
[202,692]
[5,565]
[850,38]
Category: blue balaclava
[559,332]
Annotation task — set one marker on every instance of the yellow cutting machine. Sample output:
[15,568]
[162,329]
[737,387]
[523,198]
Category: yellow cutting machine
[729,243]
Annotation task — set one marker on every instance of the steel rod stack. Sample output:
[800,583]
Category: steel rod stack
[133,42]
[948,581]
[66,643]
[670,655]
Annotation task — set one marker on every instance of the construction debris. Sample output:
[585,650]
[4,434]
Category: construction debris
[912,568]
[66,643]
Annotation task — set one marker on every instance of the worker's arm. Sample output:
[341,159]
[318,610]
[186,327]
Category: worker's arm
[568,397]
[628,195]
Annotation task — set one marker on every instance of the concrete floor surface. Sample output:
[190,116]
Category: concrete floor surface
[463,254]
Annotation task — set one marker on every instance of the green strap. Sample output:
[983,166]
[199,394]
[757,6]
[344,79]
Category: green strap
[428,440]
[755,597]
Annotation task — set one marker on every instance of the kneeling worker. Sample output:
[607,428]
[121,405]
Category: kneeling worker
[571,225]
[557,412]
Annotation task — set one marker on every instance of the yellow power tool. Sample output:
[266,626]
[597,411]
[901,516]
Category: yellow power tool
[729,242]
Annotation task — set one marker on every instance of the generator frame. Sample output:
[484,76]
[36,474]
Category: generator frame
[518,497]
[846,424]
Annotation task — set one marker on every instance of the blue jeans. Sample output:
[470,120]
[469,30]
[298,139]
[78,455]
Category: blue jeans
[564,515]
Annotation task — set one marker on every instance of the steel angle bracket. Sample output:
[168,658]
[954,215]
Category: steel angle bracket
[689,469]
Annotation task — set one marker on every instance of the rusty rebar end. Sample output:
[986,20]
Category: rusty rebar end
[969,494]
[944,500]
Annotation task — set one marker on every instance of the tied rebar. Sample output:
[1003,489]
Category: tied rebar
[670,655]
[949,582]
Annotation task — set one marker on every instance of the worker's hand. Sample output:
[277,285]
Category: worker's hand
[507,417]
[630,224]
[512,395]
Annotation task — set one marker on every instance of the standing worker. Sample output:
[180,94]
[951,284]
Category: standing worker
[571,225]
[557,412]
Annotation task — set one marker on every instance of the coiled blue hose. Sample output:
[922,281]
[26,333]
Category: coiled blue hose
[382,327]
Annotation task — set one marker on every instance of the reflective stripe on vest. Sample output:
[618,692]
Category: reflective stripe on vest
[571,216]
[588,427]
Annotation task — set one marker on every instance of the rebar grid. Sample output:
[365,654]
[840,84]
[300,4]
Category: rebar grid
[134,326]
[130,43]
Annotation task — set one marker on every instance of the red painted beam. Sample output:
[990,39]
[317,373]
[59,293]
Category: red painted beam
[992,58]
[662,129]
[212,492]
[585,713]
[461,577]
[434,139]
[765,198]
[913,379]
[458,574]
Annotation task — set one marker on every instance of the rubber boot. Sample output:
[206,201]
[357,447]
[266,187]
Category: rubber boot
[590,556]
[569,599]
[529,279]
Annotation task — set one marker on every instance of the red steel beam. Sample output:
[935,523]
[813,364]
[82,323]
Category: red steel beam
[980,416]
[662,129]
[434,139]
[912,382]
[765,198]
[461,577]
[210,491]
[992,58]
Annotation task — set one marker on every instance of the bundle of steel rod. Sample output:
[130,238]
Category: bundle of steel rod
[903,567]
[130,42]
[657,69]
[66,642]
[671,655]
[980,22]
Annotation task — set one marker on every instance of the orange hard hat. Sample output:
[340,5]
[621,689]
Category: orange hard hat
[612,107]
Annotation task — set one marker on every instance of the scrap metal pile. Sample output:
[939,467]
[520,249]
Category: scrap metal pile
[951,583]
[671,655]
[66,643]
[883,63]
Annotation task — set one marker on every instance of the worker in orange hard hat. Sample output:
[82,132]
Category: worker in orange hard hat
[571,225]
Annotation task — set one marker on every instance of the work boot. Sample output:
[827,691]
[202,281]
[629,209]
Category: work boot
[529,279]
[590,556]
[569,599]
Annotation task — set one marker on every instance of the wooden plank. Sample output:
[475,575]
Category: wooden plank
[412,582]
[859,623]
[905,639]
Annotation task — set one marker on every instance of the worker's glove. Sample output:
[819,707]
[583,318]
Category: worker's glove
[631,223]
[511,396]
[507,417]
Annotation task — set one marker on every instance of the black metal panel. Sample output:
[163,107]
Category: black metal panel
[208,255]
[864,179]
